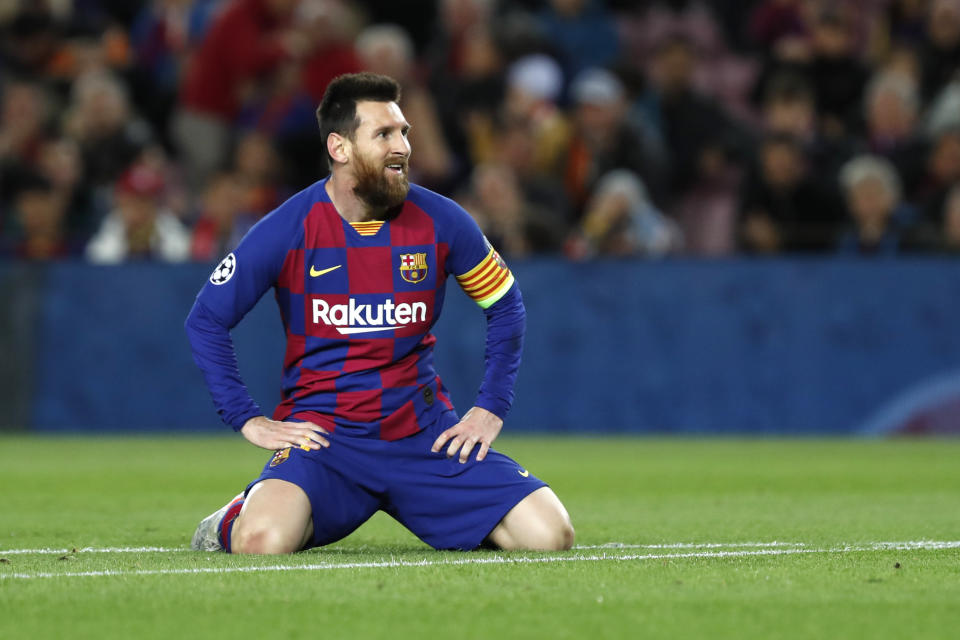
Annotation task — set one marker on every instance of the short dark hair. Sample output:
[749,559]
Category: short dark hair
[337,112]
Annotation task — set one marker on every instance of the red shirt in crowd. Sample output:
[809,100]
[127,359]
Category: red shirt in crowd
[241,44]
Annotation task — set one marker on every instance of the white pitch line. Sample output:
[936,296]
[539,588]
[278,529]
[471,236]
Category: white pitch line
[691,545]
[495,559]
[919,544]
[606,545]
[14,552]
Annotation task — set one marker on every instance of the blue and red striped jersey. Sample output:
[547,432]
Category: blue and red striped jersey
[358,303]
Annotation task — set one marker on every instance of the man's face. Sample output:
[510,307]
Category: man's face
[40,212]
[674,67]
[782,165]
[792,116]
[889,115]
[138,211]
[870,202]
[599,123]
[379,154]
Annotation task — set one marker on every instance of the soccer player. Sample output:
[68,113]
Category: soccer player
[358,262]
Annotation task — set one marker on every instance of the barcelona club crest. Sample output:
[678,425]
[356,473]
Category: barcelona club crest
[413,267]
[280,456]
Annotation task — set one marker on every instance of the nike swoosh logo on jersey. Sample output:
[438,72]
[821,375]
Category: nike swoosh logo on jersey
[315,272]
[523,472]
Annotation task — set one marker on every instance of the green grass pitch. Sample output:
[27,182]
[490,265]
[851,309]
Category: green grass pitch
[711,539]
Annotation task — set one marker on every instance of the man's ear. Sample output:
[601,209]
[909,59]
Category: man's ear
[339,147]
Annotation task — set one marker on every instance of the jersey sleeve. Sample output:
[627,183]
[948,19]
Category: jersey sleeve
[478,268]
[486,279]
[241,279]
[233,289]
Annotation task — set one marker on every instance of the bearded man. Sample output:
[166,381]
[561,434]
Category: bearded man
[359,263]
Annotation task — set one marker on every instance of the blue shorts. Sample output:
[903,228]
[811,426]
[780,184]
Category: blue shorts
[446,504]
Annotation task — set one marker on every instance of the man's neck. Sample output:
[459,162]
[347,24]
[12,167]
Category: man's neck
[348,205]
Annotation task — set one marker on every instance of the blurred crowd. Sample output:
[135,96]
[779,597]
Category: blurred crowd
[163,129]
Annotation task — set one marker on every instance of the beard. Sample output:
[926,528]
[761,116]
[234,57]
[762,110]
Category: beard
[379,190]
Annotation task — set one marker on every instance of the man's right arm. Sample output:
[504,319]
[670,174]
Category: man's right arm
[233,289]
[214,353]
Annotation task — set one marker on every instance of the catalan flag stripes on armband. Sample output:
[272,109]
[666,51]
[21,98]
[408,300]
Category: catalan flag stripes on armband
[488,281]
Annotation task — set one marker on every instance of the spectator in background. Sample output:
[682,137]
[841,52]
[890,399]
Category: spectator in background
[285,106]
[789,109]
[880,219]
[479,93]
[903,23]
[248,40]
[721,72]
[55,42]
[516,148]
[950,234]
[282,104]
[774,21]
[514,225]
[701,138]
[534,85]
[330,27]
[102,123]
[835,71]
[583,31]
[944,111]
[23,119]
[892,109]
[139,228]
[605,139]
[781,208]
[821,45]
[904,62]
[620,220]
[162,36]
[940,55]
[943,171]
[223,218]
[258,168]
[944,160]
[942,130]
[30,41]
[60,163]
[39,214]
[446,52]
[387,49]
[466,78]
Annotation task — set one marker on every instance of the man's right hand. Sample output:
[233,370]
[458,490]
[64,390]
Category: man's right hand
[271,434]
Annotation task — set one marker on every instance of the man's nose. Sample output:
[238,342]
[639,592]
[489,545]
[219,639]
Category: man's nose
[401,146]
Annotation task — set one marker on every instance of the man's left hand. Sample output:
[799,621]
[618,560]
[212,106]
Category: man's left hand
[478,426]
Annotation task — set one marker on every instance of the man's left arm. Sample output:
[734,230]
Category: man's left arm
[506,324]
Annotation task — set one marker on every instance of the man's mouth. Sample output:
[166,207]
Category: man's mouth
[398,168]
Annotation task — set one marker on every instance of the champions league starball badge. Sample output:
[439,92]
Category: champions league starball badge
[224,270]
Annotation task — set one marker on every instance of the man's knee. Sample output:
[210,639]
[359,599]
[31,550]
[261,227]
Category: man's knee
[539,523]
[275,519]
[555,533]
[261,540]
